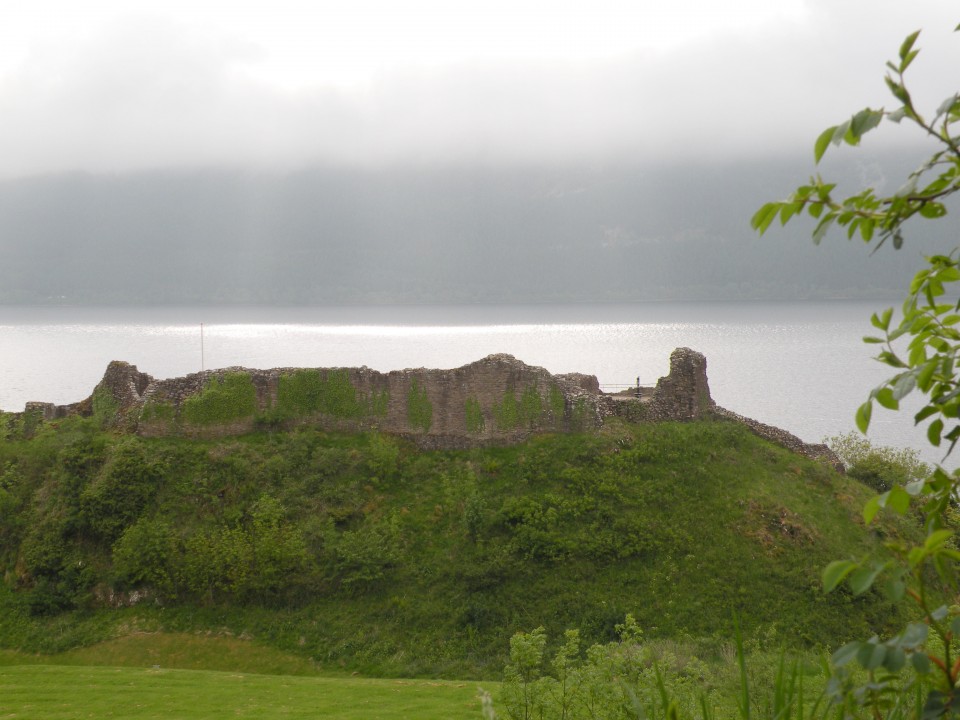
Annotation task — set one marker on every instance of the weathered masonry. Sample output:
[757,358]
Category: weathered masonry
[496,400]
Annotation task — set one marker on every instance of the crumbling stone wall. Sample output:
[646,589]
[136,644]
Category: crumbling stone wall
[814,451]
[508,400]
[496,400]
[684,394]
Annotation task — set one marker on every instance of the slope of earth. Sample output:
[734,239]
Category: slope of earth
[363,553]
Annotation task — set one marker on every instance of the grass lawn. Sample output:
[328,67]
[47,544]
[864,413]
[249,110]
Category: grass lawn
[61,692]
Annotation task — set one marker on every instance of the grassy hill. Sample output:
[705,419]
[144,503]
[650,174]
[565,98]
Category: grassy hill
[362,553]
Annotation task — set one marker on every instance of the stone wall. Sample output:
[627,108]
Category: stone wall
[684,394]
[496,400]
[814,451]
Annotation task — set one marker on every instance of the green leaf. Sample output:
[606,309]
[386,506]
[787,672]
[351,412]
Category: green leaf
[885,317]
[882,321]
[835,572]
[925,376]
[904,386]
[932,210]
[920,662]
[913,635]
[788,210]
[897,115]
[916,556]
[918,353]
[865,121]
[937,538]
[845,654]
[871,509]
[888,357]
[821,230]
[862,579]
[895,590]
[947,105]
[871,655]
[885,397]
[823,142]
[764,216]
[898,91]
[950,274]
[840,133]
[898,500]
[863,416]
[918,280]
[908,59]
[934,431]
[953,436]
[907,44]
[894,660]
[926,412]
[915,488]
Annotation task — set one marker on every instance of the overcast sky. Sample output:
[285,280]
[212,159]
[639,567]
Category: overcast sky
[116,85]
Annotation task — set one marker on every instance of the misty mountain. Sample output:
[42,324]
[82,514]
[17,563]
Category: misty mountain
[431,234]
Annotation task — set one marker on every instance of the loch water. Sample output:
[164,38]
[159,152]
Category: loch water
[801,366]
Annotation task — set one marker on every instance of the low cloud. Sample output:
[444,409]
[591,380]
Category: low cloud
[152,93]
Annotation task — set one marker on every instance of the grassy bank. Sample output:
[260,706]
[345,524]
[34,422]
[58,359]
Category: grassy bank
[360,553]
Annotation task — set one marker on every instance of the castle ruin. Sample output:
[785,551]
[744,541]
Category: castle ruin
[496,400]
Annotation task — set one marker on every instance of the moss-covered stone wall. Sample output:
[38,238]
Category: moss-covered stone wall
[496,400]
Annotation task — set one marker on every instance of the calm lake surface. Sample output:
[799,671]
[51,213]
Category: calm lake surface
[800,365]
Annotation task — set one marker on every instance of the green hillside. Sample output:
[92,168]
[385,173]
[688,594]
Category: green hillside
[363,553]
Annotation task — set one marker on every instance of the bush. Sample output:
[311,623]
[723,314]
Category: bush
[115,498]
[880,468]
[262,558]
[611,681]
[365,554]
[144,557]
[382,456]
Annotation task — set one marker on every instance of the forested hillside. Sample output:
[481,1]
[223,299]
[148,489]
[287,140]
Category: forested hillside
[413,234]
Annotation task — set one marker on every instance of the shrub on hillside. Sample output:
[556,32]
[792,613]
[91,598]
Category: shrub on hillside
[878,467]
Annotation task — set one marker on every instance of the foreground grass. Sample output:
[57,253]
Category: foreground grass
[58,692]
[155,671]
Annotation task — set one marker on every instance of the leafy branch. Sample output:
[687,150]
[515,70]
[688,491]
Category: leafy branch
[923,574]
[865,212]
